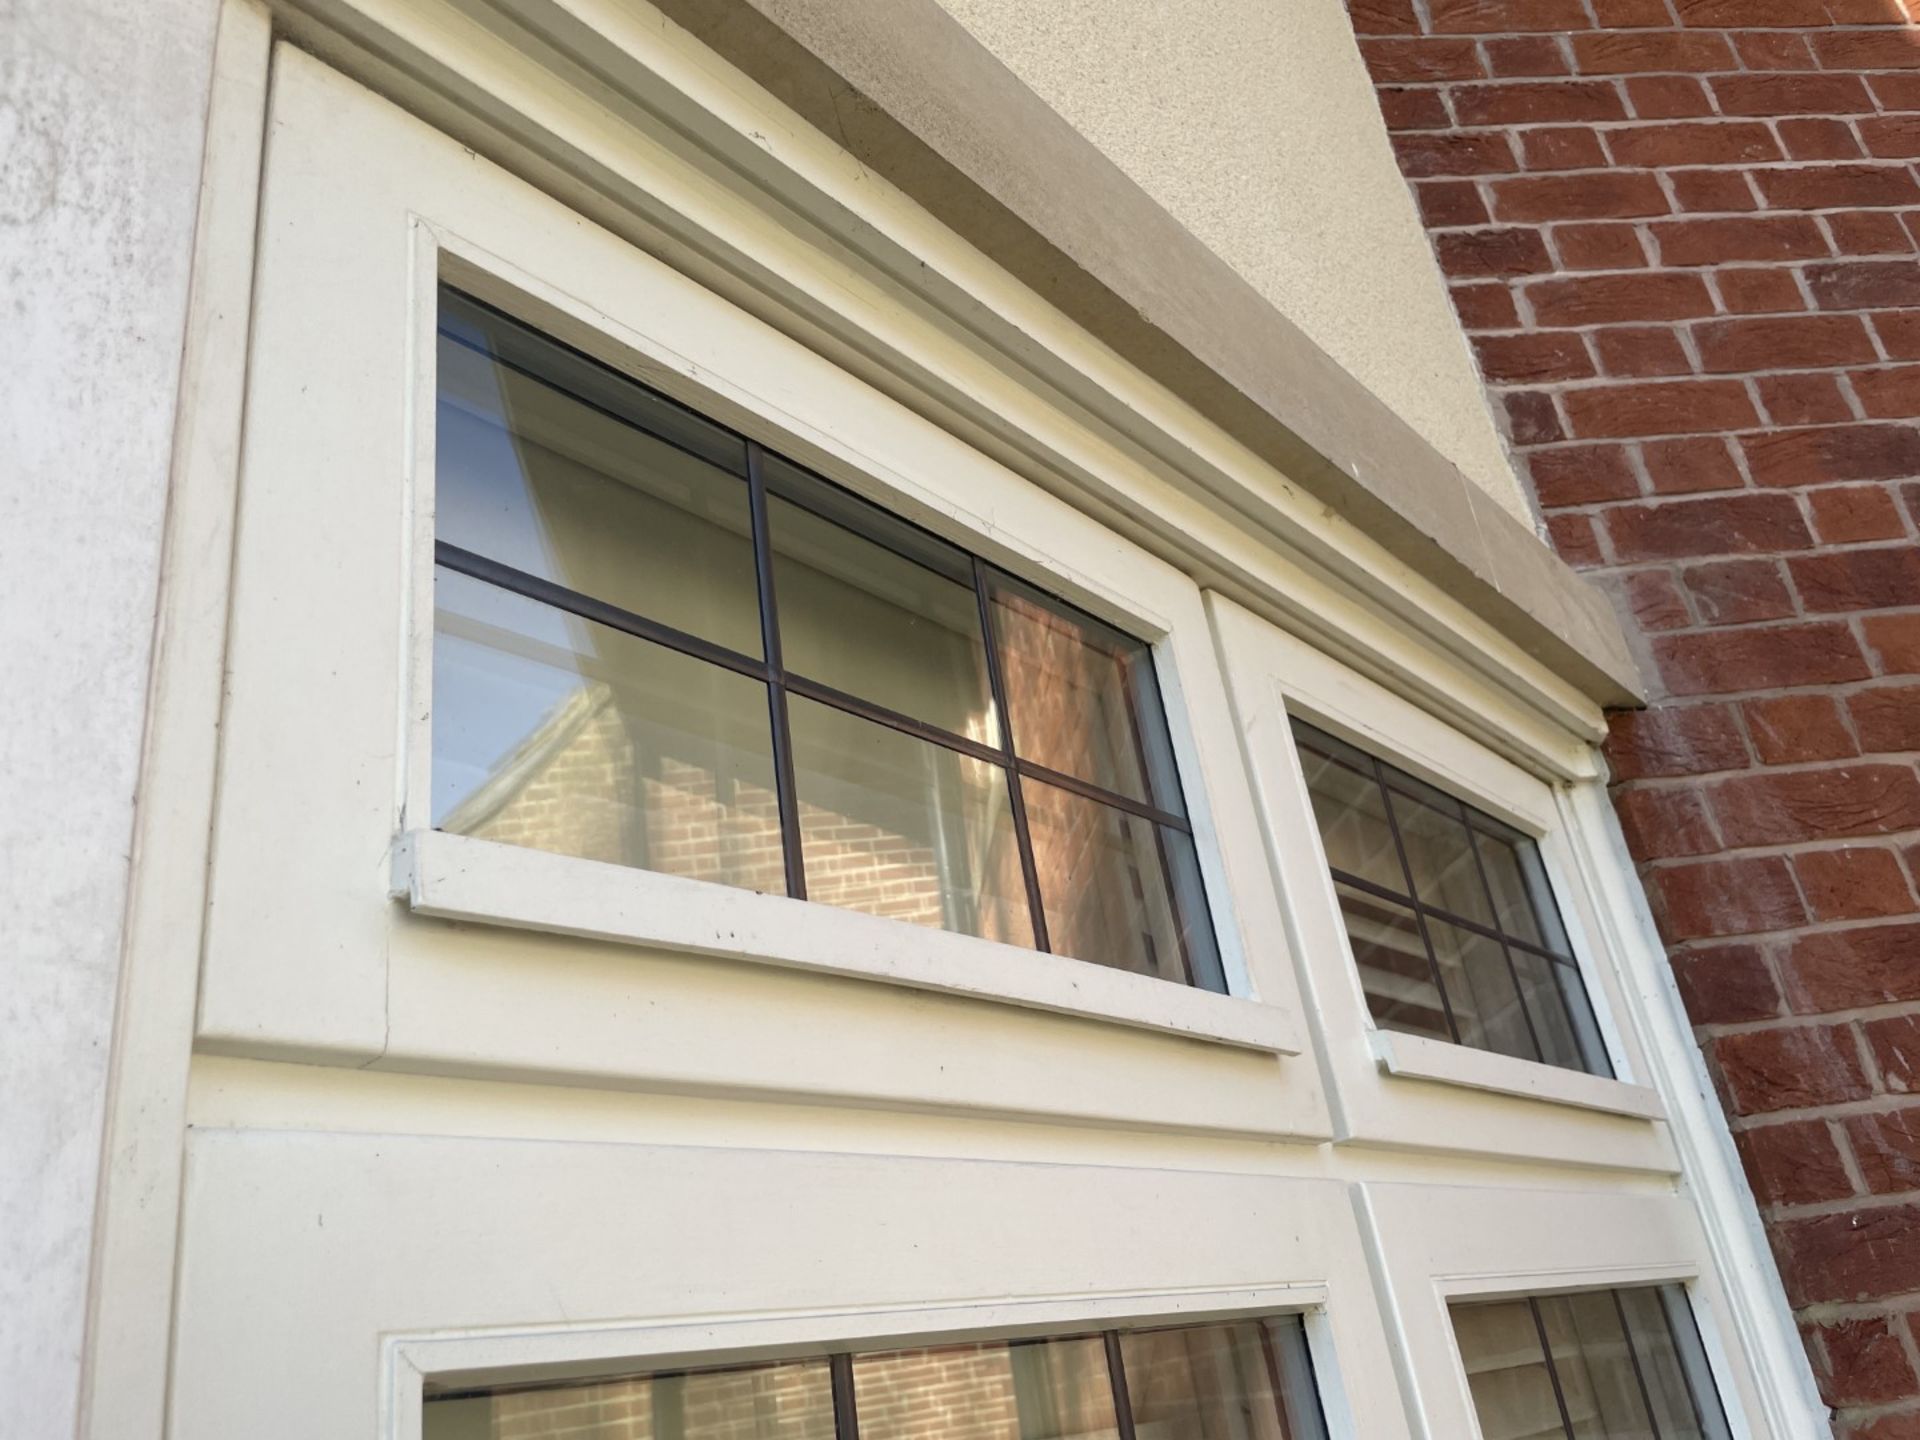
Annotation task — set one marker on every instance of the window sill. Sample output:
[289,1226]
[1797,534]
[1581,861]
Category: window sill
[1414,1057]
[457,877]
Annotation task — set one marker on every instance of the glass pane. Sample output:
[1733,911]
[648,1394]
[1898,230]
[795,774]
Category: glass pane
[531,475]
[1521,896]
[1212,1382]
[1667,1340]
[1050,1390]
[1120,890]
[1507,1372]
[1551,987]
[892,825]
[1083,697]
[1486,1003]
[1595,1367]
[1439,851]
[1352,811]
[556,733]
[858,617]
[768,1402]
[1393,965]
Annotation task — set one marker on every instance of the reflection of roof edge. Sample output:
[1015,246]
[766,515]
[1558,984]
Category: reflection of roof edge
[561,726]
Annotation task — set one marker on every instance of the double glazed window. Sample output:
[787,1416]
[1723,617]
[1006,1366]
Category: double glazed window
[1451,920]
[1605,1365]
[659,645]
[1250,1380]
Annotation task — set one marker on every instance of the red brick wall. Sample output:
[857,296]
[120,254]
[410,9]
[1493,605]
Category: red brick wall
[1682,236]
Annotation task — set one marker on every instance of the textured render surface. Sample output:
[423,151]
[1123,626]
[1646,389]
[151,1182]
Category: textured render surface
[1252,124]
[101,115]
[1685,238]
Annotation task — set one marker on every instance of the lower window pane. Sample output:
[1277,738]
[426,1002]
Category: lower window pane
[561,734]
[1119,889]
[763,1402]
[894,825]
[1596,1370]
[1247,1381]
[1393,965]
[1507,1371]
[1038,1390]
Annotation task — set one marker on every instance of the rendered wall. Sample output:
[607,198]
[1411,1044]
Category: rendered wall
[1250,123]
[1686,256]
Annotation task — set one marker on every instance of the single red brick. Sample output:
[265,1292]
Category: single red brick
[1674,740]
[1865,284]
[1610,195]
[1864,1361]
[1891,136]
[1899,333]
[1632,14]
[1773,658]
[1793,1163]
[1769,94]
[1532,359]
[1598,247]
[1414,109]
[1653,600]
[1485,307]
[1383,17]
[1575,540]
[1832,453]
[1888,719]
[1531,418]
[1641,351]
[1450,202]
[1758,291]
[1894,642]
[1726,142]
[1538,103]
[1397,60]
[1895,1042]
[1703,190]
[1607,299]
[1675,407]
[1761,51]
[1708,899]
[1790,1068]
[1581,475]
[1896,92]
[1526,55]
[1803,400]
[1853,514]
[1853,1255]
[1631,53]
[1887,394]
[1424,154]
[1481,254]
[1867,50]
[1691,465]
[1772,807]
[1718,13]
[1828,970]
[1746,237]
[1869,232]
[1864,579]
[1667,97]
[1561,147]
[1786,342]
[1853,883]
[1819,139]
[1663,824]
[1455,17]
[1726,984]
[1798,729]
[1827,186]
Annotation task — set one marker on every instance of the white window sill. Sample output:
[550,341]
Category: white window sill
[1415,1057]
[457,877]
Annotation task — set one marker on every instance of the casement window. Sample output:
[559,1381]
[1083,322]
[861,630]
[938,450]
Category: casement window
[1601,1365]
[1448,911]
[660,645]
[1244,1380]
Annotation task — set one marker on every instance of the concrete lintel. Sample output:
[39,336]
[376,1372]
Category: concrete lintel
[903,86]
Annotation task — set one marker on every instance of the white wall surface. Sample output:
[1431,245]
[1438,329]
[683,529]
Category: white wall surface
[1256,126]
[102,104]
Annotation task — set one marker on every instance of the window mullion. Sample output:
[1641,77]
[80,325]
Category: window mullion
[1633,1355]
[1117,1374]
[846,1419]
[776,684]
[1553,1371]
[997,686]
[1419,914]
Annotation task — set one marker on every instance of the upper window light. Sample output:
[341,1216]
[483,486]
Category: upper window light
[658,645]
[1452,922]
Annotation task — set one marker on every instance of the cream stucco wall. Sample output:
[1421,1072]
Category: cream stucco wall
[1255,125]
